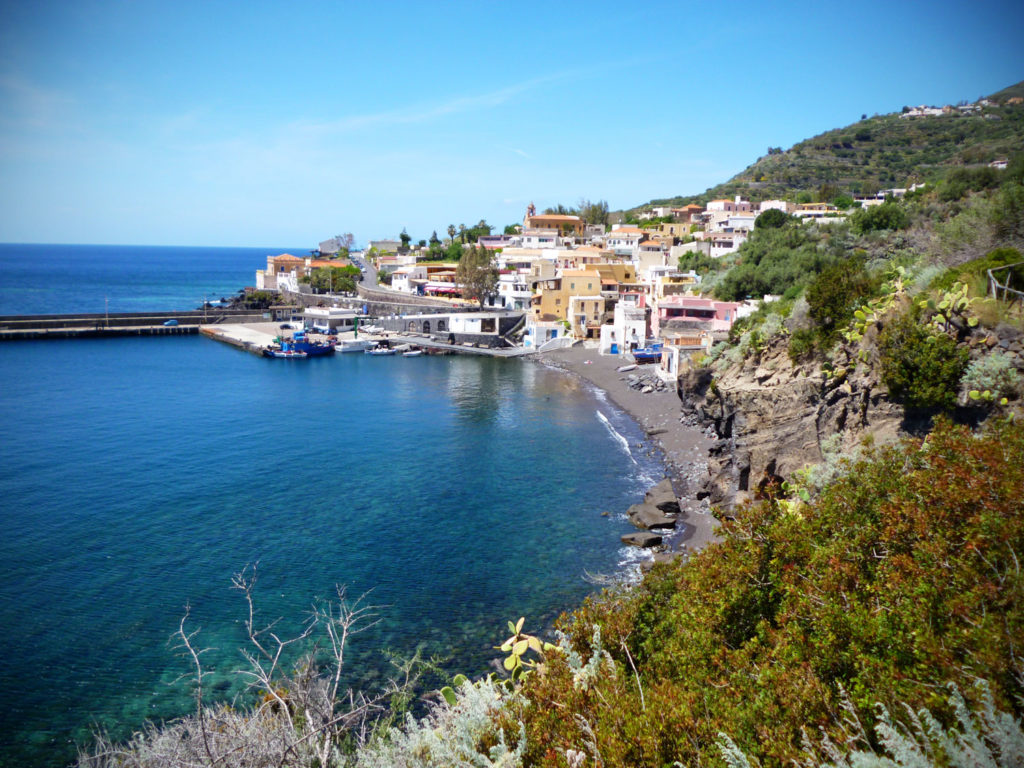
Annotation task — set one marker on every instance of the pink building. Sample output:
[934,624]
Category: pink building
[702,313]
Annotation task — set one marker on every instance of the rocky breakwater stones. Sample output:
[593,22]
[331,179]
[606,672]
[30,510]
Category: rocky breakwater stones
[645,383]
[657,512]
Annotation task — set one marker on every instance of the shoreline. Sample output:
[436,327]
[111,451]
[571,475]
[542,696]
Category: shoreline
[683,447]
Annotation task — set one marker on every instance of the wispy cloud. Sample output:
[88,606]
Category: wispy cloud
[452,105]
[31,105]
[522,153]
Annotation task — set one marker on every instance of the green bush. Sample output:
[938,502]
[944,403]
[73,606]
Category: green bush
[802,344]
[833,295]
[883,587]
[773,261]
[878,217]
[922,369]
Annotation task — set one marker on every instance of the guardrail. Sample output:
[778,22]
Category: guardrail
[1008,294]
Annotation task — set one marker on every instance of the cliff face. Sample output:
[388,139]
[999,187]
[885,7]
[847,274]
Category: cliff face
[772,416]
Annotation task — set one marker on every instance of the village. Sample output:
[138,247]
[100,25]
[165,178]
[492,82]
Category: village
[557,280]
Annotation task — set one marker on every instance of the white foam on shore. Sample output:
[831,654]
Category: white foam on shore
[623,442]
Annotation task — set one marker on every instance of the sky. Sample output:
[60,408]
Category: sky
[285,123]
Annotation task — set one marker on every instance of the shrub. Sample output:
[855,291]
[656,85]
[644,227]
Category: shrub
[883,587]
[995,374]
[878,217]
[802,344]
[832,296]
[922,369]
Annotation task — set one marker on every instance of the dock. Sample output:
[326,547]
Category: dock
[255,337]
[114,324]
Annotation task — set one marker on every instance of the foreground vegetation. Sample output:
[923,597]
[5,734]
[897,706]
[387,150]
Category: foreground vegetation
[904,576]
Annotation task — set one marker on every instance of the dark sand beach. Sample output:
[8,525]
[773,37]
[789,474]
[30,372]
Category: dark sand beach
[685,447]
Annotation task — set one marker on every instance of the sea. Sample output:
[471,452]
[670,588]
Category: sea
[139,475]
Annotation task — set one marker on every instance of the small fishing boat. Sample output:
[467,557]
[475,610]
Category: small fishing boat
[286,354]
[645,355]
[413,353]
[379,351]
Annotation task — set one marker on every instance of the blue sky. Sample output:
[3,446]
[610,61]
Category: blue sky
[261,124]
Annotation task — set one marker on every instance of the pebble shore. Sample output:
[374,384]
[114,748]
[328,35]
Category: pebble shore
[656,409]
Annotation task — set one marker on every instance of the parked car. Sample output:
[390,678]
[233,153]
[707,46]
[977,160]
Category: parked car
[172,321]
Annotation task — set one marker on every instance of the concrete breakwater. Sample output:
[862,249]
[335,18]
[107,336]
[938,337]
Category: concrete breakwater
[103,325]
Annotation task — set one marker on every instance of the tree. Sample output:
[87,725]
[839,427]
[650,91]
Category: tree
[454,251]
[333,279]
[451,232]
[773,218]
[406,238]
[462,233]
[477,274]
[513,229]
[593,213]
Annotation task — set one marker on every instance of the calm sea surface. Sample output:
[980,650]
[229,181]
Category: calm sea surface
[139,474]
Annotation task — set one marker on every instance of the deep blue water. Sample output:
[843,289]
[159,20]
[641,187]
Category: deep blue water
[139,474]
[65,279]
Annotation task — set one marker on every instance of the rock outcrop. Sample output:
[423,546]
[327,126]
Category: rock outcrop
[771,417]
[658,510]
[643,540]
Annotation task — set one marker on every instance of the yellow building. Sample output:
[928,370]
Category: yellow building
[564,225]
[551,302]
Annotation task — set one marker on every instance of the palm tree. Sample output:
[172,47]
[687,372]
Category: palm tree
[462,233]
[451,232]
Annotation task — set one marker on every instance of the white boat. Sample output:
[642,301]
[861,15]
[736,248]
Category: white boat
[353,345]
[379,351]
[413,353]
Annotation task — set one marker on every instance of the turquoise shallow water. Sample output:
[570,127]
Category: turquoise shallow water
[140,474]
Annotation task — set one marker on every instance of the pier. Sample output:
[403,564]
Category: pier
[108,325]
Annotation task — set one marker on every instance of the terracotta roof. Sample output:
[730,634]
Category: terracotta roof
[558,216]
[287,257]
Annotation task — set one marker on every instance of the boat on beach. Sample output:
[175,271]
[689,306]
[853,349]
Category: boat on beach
[649,354]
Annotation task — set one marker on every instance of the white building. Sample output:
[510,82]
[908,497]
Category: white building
[514,289]
[541,333]
[627,331]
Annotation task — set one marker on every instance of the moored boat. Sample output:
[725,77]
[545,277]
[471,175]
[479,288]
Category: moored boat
[353,345]
[286,354]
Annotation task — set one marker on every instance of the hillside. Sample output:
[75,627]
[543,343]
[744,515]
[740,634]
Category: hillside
[877,153]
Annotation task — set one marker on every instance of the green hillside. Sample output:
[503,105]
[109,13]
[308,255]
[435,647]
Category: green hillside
[877,153]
